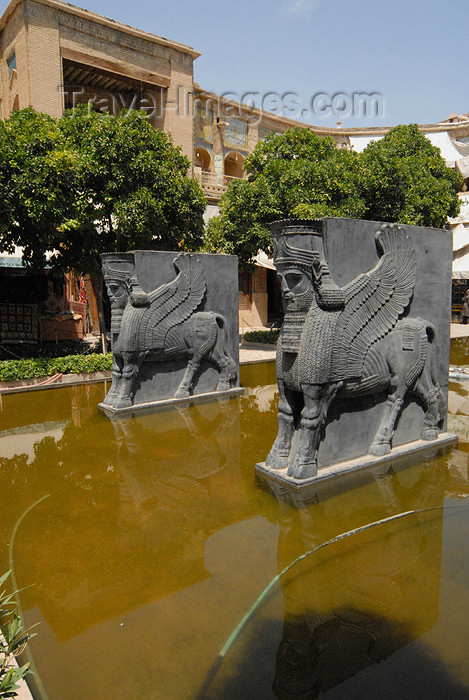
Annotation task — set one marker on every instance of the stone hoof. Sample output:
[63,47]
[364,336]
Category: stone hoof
[379,449]
[429,434]
[182,394]
[276,461]
[123,403]
[224,386]
[303,471]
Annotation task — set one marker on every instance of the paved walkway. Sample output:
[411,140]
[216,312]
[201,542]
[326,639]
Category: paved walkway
[459,330]
[250,353]
[257,352]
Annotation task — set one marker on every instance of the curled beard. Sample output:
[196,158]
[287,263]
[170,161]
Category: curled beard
[116,319]
[295,315]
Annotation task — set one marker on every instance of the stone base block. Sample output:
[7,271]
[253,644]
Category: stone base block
[331,475]
[155,405]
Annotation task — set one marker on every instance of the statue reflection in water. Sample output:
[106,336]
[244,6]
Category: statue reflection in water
[358,600]
[169,462]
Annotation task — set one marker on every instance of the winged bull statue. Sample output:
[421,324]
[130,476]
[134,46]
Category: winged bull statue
[348,342]
[162,325]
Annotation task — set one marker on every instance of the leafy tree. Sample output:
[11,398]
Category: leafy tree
[133,190]
[38,174]
[90,183]
[298,174]
[407,180]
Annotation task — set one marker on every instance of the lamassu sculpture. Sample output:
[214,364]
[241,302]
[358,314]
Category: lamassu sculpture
[163,326]
[347,342]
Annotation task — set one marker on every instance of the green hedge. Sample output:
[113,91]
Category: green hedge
[13,370]
[269,337]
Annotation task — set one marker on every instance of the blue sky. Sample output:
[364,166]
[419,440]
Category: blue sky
[411,53]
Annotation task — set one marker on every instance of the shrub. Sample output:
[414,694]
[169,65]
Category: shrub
[268,337]
[14,370]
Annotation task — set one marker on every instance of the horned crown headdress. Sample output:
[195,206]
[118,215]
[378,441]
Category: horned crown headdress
[286,255]
[118,266]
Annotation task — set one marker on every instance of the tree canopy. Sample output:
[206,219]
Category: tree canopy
[406,180]
[89,183]
[401,178]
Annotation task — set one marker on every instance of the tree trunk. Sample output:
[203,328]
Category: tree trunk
[97,283]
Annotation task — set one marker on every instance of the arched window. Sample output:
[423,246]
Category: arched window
[234,162]
[202,159]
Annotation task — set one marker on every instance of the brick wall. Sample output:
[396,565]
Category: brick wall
[14,39]
[41,35]
[178,118]
[44,62]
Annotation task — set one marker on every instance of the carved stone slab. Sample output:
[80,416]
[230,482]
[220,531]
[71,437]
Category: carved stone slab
[174,327]
[363,355]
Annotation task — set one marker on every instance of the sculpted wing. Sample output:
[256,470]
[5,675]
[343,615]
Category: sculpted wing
[373,302]
[173,303]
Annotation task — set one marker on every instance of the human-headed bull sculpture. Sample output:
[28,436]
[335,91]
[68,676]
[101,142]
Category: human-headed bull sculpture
[162,325]
[346,342]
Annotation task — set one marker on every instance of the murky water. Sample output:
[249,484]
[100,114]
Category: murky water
[152,540]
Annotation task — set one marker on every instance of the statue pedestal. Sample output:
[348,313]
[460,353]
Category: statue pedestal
[331,474]
[155,405]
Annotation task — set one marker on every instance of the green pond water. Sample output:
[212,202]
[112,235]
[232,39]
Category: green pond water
[153,539]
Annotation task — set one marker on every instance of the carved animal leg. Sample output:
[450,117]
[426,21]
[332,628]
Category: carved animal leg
[130,372]
[381,444]
[304,463]
[228,372]
[117,365]
[184,389]
[280,452]
[430,400]
[433,400]
[317,400]
[225,364]
[432,416]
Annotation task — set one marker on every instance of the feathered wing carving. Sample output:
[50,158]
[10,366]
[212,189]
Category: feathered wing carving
[173,303]
[373,302]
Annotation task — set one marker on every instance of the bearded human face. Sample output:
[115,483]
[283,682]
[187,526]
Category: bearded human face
[117,292]
[294,284]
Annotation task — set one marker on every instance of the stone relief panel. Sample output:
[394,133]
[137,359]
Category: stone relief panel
[177,337]
[352,357]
